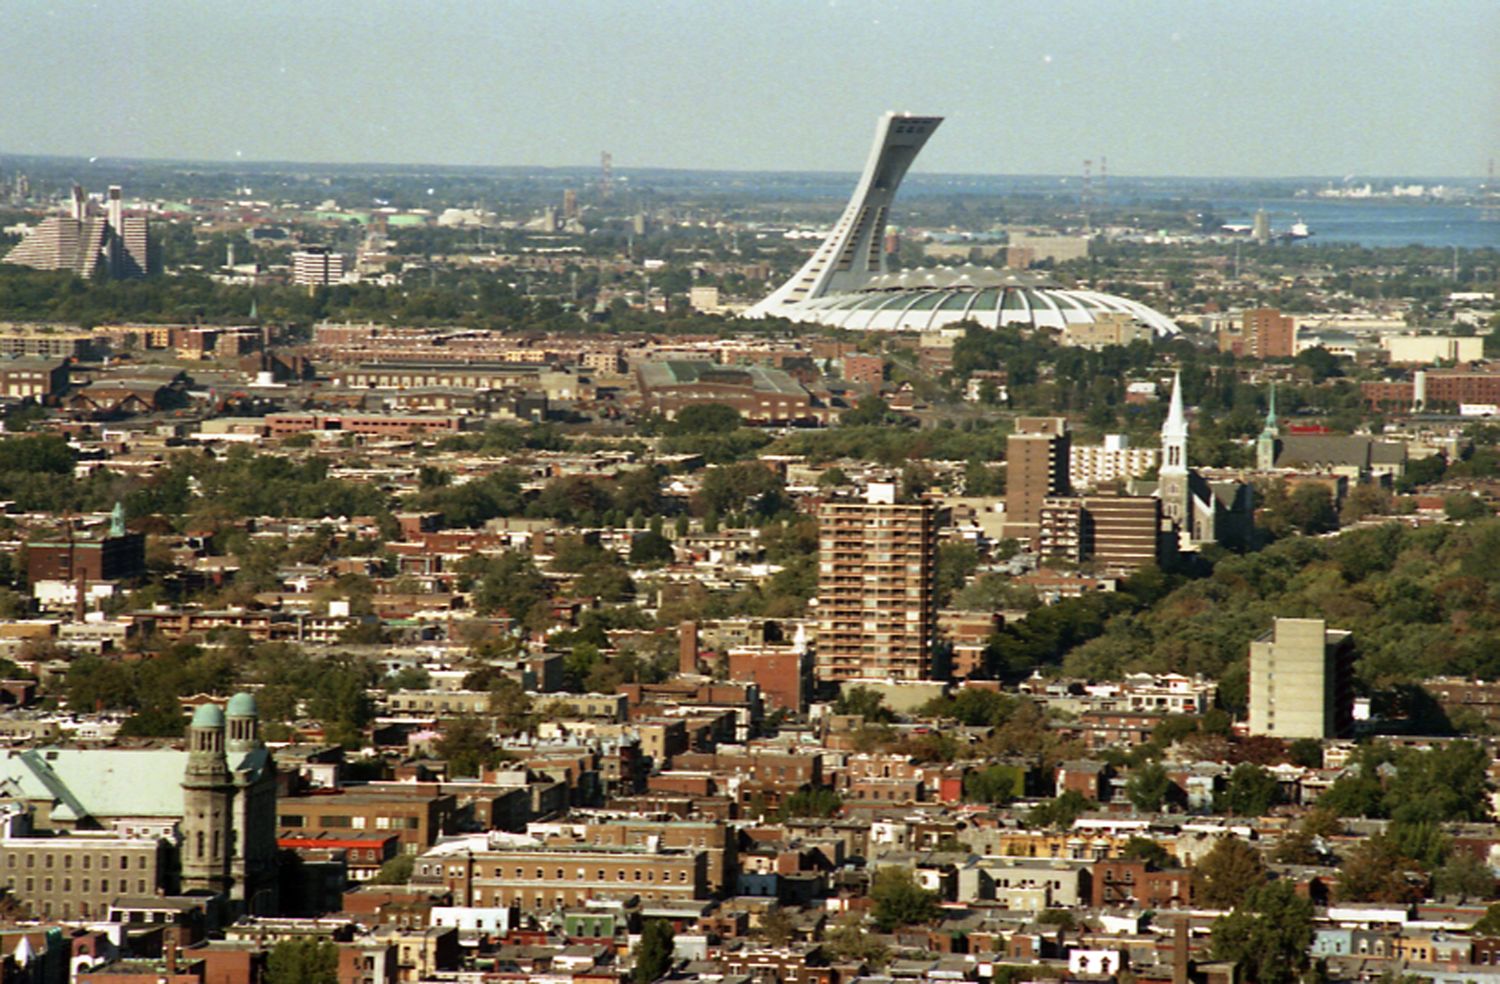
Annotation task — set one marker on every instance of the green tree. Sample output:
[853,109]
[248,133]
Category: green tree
[955,563]
[466,746]
[865,702]
[999,784]
[1320,362]
[1306,752]
[1149,851]
[1465,506]
[1267,934]
[817,802]
[1229,870]
[1250,792]
[899,900]
[649,549]
[705,418]
[1061,811]
[1310,510]
[848,941]
[1376,871]
[1148,787]
[511,705]
[303,961]
[396,871]
[1489,923]
[653,954]
[1463,876]
[777,926]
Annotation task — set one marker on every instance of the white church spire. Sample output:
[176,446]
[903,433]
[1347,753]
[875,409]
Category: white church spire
[1174,433]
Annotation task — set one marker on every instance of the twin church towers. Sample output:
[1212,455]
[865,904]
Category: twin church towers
[229,808]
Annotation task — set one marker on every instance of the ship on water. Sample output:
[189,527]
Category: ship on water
[1297,230]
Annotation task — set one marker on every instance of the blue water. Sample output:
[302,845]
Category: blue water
[1373,223]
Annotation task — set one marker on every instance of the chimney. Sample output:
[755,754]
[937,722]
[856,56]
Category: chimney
[687,648]
[171,955]
[1180,952]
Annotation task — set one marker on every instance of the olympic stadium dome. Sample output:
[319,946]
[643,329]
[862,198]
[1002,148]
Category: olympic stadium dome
[846,283]
[927,299]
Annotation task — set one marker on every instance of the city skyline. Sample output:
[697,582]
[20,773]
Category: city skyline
[1370,89]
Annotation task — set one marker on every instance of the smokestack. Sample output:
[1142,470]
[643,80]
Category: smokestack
[78,200]
[687,648]
[1180,952]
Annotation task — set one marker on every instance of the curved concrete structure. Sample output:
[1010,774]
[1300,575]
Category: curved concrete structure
[845,283]
[853,251]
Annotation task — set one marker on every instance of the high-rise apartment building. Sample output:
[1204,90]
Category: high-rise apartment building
[1301,674]
[1271,334]
[317,266]
[1261,333]
[876,613]
[114,244]
[1036,468]
[1093,465]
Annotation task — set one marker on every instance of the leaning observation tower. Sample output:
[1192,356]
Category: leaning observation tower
[846,283]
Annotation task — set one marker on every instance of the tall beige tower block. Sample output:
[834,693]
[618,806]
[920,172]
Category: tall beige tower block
[1301,674]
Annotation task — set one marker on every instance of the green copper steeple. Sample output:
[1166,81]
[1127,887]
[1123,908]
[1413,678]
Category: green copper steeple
[1265,445]
[1270,427]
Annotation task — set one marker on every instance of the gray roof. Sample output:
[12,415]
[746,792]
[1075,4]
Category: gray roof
[111,782]
[1334,451]
[687,372]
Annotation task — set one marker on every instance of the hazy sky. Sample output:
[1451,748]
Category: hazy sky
[1252,87]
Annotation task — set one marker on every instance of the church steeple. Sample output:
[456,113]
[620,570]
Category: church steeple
[1265,444]
[207,789]
[1174,433]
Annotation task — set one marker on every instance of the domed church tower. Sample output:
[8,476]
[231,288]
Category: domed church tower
[207,800]
[229,809]
[253,772]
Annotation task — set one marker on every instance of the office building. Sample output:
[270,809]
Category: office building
[1037,460]
[32,379]
[480,871]
[1301,678]
[1420,350]
[80,875]
[113,245]
[317,266]
[106,554]
[876,614]
[1118,534]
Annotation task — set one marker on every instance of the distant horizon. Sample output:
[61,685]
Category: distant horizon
[917,174]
